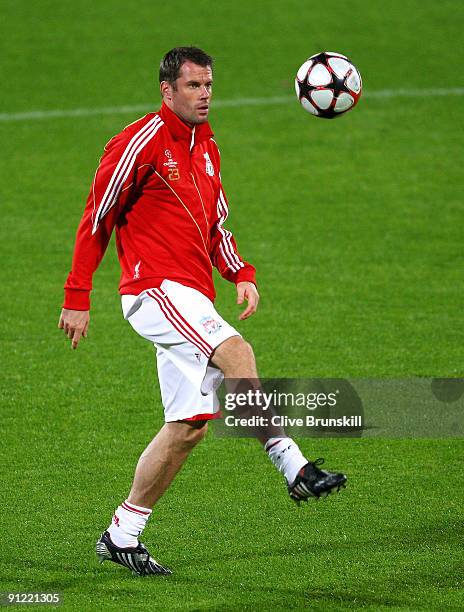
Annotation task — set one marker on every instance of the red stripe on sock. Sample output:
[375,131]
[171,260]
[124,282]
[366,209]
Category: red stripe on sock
[127,506]
[268,448]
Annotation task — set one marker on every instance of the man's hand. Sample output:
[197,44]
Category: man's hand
[75,324]
[247,291]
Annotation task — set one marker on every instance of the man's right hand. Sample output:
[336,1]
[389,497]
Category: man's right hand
[75,324]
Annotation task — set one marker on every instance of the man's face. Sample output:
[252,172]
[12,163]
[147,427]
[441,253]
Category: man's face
[191,96]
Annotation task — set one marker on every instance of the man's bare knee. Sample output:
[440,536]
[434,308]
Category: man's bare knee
[191,433]
[235,358]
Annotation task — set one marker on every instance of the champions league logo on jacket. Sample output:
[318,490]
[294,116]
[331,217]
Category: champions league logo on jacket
[173,171]
[209,166]
[170,163]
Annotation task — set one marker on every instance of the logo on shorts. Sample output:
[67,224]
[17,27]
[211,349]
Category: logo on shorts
[211,325]
[209,166]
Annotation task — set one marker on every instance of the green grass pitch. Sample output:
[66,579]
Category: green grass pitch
[355,226]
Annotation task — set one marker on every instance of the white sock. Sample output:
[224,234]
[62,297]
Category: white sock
[286,456]
[128,523]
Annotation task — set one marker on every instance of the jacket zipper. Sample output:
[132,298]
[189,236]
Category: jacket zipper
[203,207]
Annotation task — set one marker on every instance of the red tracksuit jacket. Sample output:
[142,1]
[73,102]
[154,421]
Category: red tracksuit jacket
[159,183]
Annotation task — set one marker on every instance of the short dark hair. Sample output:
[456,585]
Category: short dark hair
[172,62]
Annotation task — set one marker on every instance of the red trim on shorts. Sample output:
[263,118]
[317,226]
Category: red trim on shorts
[186,323]
[204,417]
[177,323]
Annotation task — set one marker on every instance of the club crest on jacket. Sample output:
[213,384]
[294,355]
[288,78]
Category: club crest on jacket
[209,166]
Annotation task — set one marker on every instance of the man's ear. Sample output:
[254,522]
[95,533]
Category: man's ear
[166,90]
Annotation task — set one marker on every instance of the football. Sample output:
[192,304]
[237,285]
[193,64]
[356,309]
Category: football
[328,85]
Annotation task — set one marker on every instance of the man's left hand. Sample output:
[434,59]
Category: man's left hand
[247,291]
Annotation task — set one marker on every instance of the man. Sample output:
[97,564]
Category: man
[159,184]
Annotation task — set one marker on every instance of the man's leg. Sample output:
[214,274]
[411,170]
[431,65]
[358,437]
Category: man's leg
[304,479]
[163,458]
[156,469]
[235,358]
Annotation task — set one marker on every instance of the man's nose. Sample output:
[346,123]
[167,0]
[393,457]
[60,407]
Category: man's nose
[205,92]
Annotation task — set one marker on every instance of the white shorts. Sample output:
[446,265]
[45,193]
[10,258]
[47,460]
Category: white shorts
[185,328]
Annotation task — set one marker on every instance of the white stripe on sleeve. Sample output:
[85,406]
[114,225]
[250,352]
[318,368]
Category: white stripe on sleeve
[226,248]
[122,170]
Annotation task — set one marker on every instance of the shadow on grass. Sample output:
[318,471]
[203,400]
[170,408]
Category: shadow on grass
[418,537]
[402,589]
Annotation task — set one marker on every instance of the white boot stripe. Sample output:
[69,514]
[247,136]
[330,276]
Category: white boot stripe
[135,561]
[132,563]
[128,561]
